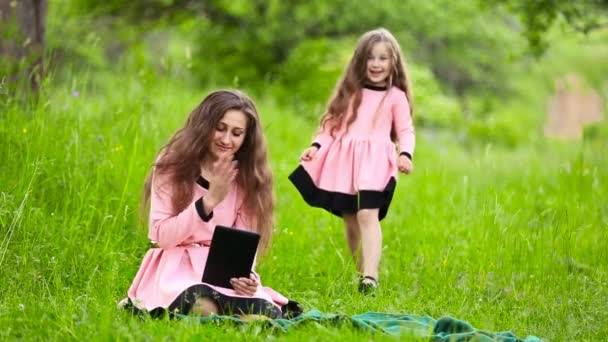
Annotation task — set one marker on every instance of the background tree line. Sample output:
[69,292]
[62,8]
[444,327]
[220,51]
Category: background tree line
[466,57]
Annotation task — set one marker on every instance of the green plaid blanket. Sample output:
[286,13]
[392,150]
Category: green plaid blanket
[443,329]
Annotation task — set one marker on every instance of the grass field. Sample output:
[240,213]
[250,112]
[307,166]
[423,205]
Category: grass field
[504,239]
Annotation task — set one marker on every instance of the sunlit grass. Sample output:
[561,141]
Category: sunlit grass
[505,239]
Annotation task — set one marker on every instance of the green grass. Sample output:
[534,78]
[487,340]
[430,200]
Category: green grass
[504,239]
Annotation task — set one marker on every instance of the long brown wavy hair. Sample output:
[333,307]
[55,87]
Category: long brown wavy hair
[349,87]
[181,157]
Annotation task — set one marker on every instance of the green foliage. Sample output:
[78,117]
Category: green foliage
[311,73]
[466,56]
[538,17]
[255,42]
[497,130]
[432,108]
[596,133]
[578,54]
[470,77]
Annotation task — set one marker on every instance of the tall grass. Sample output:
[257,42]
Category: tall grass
[505,239]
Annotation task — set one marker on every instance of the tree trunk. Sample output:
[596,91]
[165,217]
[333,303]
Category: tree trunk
[22,27]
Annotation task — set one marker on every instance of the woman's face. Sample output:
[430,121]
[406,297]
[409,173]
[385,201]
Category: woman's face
[229,134]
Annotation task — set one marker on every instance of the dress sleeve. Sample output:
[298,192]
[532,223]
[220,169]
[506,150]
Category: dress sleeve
[323,138]
[403,123]
[165,227]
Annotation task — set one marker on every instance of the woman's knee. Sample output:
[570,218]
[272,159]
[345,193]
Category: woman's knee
[205,306]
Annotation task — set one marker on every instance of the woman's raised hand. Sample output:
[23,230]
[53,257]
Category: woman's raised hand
[220,176]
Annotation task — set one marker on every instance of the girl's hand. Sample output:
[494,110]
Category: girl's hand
[309,153]
[404,164]
[245,286]
[220,177]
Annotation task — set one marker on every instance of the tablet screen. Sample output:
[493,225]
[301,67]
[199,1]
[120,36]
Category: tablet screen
[231,255]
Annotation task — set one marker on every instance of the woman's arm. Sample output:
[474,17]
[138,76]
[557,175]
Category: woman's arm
[168,229]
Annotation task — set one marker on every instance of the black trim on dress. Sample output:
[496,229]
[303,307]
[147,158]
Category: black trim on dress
[202,182]
[373,87]
[407,154]
[200,210]
[227,305]
[338,203]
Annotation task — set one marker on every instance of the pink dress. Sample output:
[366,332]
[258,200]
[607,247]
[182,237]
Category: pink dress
[357,167]
[169,278]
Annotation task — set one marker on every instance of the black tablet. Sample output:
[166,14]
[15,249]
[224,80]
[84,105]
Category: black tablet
[231,255]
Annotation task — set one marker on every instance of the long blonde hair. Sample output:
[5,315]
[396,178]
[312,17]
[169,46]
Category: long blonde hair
[348,88]
[182,155]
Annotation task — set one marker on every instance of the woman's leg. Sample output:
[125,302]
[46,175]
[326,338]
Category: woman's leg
[353,238]
[204,306]
[371,241]
[253,317]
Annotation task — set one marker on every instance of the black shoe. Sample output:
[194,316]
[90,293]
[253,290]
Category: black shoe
[368,285]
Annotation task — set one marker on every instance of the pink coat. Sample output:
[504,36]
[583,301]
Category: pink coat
[184,241]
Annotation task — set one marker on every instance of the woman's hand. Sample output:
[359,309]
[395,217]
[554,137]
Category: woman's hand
[404,164]
[220,176]
[245,286]
[309,153]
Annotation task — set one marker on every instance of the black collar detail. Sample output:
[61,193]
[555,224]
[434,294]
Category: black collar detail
[202,182]
[373,87]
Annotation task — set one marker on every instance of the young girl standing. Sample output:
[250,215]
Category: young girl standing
[351,166]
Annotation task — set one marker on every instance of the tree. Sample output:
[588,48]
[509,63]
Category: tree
[249,41]
[22,27]
[539,16]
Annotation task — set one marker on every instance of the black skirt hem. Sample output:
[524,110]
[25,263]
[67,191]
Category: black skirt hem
[227,305]
[339,203]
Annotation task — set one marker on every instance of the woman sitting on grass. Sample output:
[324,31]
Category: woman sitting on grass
[213,171]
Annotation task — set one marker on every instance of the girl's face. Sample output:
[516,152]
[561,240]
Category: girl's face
[229,134]
[379,64]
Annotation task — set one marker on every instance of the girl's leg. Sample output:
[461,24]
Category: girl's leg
[204,306]
[371,241]
[353,238]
